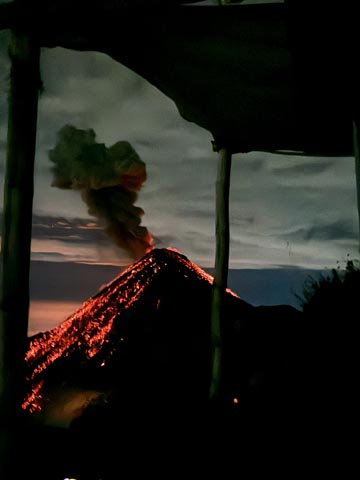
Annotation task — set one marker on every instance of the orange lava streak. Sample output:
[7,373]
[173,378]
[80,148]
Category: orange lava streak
[32,402]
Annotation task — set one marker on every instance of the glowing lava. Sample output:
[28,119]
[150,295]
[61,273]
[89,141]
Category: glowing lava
[85,343]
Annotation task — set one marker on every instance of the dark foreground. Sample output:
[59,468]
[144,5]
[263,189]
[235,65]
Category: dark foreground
[286,444]
[287,406]
[300,419]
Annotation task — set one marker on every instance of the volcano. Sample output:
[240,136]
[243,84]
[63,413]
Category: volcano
[151,322]
[137,334]
[135,359]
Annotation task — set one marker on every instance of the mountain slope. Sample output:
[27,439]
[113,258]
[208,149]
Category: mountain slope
[162,294]
[152,324]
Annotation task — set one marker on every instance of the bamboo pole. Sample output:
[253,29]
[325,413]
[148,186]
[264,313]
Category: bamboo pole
[357,168]
[221,267]
[16,235]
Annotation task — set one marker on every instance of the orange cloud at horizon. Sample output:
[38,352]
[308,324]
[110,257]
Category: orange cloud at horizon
[47,314]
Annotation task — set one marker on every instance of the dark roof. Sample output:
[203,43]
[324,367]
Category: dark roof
[258,77]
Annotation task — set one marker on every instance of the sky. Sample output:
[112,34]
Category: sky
[286,212]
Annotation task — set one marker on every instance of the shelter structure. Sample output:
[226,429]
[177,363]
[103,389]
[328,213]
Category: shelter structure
[276,77]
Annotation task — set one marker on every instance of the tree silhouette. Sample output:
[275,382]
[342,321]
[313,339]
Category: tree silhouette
[332,294]
[329,304]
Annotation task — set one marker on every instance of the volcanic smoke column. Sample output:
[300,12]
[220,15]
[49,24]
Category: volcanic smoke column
[109,180]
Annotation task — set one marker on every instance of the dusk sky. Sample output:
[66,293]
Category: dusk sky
[285,211]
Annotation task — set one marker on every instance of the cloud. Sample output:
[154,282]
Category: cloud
[66,230]
[164,241]
[249,162]
[304,168]
[337,230]
[58,251]
[242,219]
[76,230]
[2,156]
[274,199]
[40,318]
[109,180]
[68,281]
[124,96]
[63,239]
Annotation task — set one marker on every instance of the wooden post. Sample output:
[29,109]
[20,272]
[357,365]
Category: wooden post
[16,236]
[221,267]
[357,168]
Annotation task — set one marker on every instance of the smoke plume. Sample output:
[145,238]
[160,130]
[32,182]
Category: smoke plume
[109,180]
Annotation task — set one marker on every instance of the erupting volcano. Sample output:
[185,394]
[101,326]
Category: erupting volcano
[135,360]
[146,334]
[160,301]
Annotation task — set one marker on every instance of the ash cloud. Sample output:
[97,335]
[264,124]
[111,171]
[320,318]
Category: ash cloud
[108,179]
